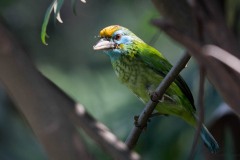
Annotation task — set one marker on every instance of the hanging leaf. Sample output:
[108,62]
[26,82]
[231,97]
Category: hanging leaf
[45,23]
[56,7]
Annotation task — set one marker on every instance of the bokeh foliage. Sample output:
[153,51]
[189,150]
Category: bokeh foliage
[87,76]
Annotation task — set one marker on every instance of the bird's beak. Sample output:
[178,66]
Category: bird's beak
[104,44]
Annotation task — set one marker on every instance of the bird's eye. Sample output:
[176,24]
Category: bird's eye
[117,37]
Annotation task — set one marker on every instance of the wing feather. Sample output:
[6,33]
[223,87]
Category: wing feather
[159,64]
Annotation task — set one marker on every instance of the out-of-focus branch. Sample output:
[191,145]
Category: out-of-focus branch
[101,134]
[150,106]
[203,23]
[220,77]
[40,106]
[224,127]
[52,114]
[223,56]
[201,112]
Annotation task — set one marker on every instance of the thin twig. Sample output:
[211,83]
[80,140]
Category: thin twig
[201,112]
[150,106]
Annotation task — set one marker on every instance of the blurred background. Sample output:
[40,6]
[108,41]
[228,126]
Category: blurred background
[87,76]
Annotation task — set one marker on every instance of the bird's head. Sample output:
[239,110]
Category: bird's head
[115,41]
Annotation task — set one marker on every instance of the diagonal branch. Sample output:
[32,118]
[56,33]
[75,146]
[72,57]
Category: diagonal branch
[150,106]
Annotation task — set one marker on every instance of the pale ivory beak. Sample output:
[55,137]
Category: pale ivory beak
[104,44]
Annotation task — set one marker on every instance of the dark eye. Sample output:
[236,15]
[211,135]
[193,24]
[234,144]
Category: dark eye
[117,37]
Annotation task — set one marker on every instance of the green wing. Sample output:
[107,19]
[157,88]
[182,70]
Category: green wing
[159,64]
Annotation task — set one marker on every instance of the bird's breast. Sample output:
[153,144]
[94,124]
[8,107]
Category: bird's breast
[137,76]
[134,74]
[126,71]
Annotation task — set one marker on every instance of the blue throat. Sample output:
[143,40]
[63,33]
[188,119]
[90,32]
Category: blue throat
[114,54]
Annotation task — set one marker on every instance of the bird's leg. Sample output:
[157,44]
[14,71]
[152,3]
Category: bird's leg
[136,121]
[138,125]
[154,97]
[151,92]
[165,97]
[168,98]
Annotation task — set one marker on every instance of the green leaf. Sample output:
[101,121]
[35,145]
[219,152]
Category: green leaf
[56,6]
[45,23]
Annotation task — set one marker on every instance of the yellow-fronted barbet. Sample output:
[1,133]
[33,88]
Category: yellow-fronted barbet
[141,68]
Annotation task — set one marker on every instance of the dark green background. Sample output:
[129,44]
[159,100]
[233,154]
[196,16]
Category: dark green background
[87,76]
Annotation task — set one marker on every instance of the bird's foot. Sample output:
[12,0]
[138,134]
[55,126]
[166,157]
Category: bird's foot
[154,97]
[144,127]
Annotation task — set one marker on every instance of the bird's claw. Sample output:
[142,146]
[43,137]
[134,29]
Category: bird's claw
[144,127]
[154,97]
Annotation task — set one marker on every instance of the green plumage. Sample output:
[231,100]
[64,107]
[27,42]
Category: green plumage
[140,74]
[141,68]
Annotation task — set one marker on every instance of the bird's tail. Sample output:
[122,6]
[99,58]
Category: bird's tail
[208,140]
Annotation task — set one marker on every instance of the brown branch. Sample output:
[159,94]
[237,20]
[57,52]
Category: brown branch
[223,56]
[101,134]
[52,114]
[191,15]
[150,106]
[216,71]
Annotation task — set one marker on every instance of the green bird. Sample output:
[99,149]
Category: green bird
[141,68]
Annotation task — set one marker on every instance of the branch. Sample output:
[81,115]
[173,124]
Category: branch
[223,56]
[150,106]
[101,134]
[52,114]
[201,113]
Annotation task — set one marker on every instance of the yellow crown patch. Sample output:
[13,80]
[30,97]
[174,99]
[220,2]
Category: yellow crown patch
[108,31]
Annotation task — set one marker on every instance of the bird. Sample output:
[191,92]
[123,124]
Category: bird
[141,68]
